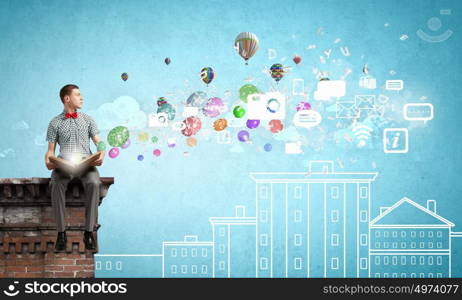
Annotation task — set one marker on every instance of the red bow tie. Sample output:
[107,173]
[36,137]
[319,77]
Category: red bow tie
[73,115]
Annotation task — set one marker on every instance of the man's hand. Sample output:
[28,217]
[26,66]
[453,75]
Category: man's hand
[100,160]
[49,164]
[50,152]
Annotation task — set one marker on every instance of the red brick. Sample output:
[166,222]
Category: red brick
[84,274]
[64,274]
[60,261]
[74,268]
[84,261]
[53,268]
[15,269]
[35,269]
[28,274]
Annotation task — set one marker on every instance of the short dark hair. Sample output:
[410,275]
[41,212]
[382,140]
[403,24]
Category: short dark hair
[66,90]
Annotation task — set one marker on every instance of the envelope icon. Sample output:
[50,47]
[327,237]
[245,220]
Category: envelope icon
[346,110]
[379,110]
[364,101]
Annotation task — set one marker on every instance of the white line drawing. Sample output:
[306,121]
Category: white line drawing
[417,245]
[345,51]
[224,137]
[289,196]
[321,182]
[187,258]
[418,112]
[434,24]
[393,138]
[346,110]
[394,85]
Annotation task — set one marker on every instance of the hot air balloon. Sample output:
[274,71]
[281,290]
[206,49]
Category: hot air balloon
[207,75]
[167,61]
[277,72]
[246,44]
[124,76]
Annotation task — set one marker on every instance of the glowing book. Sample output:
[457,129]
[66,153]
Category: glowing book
[75,166]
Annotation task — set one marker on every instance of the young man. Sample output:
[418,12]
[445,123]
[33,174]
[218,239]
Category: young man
[72,131]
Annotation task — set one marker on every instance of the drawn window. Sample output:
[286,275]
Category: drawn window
[204,252]
[194,252]
[377,275]
[394,234]
[263,216]
[385,234]
[263,263]
[394,260]
[263,239]
[439,275]
[385,245]
[222,248]
[422,260]
[298,263]
[430,260]
[334,239]
[98,265]
[363,263]
[403,260]
[403,275]
[363,191]
[395,245]
[422,233]
[298,239]
[334,216]
[412,275]
[363,216]
[385,260]
[412,233]
[194,269]
[377,260]
[439,260]
[430,245]
[439,245]
[439,234]
[403,245]
[119,265]
[297,216]
[184,269]
[173,252]
[363,239]
[377,245]
[334,263]
[413,245]
[430,234]
[298,192]
[263,192]
[204,269]
[173,269]
[222,231]
[108,265]
[184,252]
[377,233]
[403,233]
[222,265]
[334,192]
[413,259]
[422,245]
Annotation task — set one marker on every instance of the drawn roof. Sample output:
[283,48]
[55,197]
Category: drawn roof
[408,212]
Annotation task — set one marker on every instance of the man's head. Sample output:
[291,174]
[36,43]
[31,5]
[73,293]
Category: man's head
[70,96]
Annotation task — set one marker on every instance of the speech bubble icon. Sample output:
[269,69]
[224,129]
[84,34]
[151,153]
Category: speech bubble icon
[394,85]
[307,118]
[418,112]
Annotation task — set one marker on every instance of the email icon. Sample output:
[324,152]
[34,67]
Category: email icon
[364,101]
[346,110]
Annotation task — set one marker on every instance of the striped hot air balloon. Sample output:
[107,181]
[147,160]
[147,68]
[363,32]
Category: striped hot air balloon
[246,44]
[207,75]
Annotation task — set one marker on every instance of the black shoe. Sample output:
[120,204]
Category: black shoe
[89,240]
[61,241]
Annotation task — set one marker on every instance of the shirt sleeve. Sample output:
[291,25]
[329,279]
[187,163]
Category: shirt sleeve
[52,132]
[93,128]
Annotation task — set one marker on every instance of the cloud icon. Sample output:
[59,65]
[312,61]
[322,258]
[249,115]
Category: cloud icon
[123,111]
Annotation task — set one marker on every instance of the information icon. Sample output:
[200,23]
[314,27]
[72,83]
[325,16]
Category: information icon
[395,140]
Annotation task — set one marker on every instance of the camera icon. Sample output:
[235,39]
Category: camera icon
[11,290]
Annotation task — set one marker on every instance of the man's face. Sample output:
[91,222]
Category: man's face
[75,99]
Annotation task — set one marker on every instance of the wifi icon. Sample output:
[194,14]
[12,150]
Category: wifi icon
[362,133]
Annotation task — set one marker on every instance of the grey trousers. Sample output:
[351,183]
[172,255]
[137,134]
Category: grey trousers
[91,183]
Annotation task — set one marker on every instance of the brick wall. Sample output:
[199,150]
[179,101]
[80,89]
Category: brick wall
[28,235]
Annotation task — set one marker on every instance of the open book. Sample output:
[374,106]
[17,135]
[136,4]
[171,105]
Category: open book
[74,167]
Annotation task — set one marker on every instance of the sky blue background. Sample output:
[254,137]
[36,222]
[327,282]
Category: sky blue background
[47,44]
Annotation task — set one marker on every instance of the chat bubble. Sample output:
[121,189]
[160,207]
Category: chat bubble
[394,85]
[418,112]
[307,118]
[330,88]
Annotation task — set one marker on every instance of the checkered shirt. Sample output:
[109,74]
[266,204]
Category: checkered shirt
[72,135]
